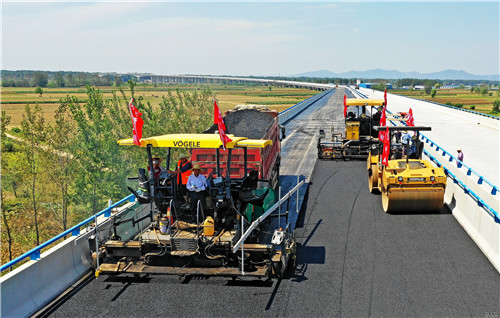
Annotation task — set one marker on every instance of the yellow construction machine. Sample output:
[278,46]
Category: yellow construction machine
[407,183]
[215,237]
[358,137]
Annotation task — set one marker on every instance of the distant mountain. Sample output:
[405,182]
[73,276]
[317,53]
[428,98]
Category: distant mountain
[395,74]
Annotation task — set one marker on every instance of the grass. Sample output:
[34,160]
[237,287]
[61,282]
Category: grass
[14,99]
[482,103]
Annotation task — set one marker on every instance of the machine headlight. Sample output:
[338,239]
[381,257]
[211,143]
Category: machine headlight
[400,179]
[433,178]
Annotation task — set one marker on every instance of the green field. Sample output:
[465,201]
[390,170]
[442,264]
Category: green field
[15,98]
[482,103]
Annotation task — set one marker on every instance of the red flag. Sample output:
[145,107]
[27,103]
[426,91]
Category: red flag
[345,106]
[221,127]
[137,122]
[383,122]
[385,98]
[387,148]
[410,121]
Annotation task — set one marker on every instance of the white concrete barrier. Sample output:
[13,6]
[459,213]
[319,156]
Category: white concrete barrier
[293,111]
[480,226]
[33,285]
[475,220]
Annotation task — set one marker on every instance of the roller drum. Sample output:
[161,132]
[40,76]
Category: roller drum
[413,199]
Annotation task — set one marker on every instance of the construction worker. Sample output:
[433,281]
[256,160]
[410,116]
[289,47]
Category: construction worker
[460,157]
[183,171]
[157,168]
[406,141]
[196,187]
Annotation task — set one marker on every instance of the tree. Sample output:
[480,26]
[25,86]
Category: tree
[118,80]
[496,106]
[61,138]
[34,131]
[39,90]
[70,81]
[59,79]
[380,86]
[427,88]
[101,168]
[40,79]
[5,120]
[433,93]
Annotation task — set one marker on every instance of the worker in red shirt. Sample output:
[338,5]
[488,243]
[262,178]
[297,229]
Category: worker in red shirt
[183,171]
[157,168]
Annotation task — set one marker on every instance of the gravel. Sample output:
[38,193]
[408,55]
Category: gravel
[249,123]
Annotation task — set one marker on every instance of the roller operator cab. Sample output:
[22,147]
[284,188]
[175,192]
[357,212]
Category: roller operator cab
[357,137]
[408,183]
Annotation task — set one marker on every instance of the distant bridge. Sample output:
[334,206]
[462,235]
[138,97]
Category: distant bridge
[198,79]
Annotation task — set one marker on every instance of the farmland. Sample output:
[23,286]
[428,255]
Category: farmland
[482,103]
[14,99]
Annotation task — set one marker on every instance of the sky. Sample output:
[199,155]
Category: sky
[250,38]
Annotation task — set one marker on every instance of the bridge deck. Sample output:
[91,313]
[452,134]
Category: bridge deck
[353,260]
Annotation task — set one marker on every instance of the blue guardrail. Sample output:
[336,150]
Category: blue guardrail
[34,254]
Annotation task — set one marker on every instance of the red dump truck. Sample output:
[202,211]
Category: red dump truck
[253,123]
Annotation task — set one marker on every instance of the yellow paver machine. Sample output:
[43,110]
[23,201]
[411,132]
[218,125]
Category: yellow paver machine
[358,137]
[223,236]
[407,183]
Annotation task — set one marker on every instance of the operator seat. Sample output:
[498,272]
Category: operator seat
[145,196]
[246,196]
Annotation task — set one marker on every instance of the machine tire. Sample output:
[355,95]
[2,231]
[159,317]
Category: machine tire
[373,179]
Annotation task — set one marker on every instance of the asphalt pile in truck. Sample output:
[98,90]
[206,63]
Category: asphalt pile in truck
[249,123]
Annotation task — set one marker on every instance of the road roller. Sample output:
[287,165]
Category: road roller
[408,183]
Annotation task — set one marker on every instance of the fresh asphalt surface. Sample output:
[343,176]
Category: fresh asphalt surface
[353,260]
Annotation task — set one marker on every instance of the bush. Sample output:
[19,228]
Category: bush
[433,93]
[39,90]
[8,147]
[472,107]
[459,105]
[490,94]
[16,130]
[449,103]
[496,106]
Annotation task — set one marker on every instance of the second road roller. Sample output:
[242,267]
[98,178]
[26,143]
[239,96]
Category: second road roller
[407,183]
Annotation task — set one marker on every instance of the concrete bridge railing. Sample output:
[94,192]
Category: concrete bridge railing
[478,218]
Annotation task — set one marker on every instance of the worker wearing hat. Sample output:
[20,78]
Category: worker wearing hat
[406,137]
[460,157]
[157,168]
[183,171]
[196,187]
